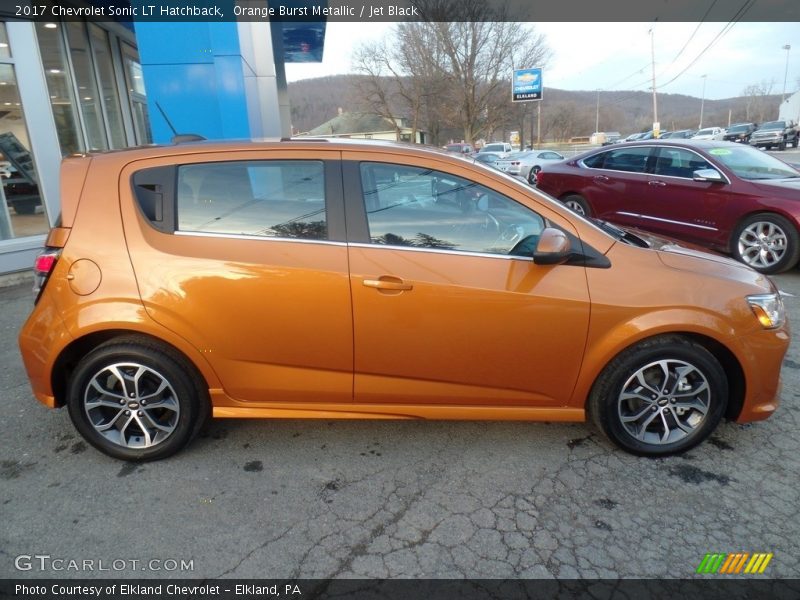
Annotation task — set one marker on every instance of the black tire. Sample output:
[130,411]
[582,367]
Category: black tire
[577,204]
[133,431]
[25,207]
[796,142]
[782,145]
[744,247]
[533,174]
[607,407]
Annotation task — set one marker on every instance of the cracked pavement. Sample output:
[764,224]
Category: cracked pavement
[395,499]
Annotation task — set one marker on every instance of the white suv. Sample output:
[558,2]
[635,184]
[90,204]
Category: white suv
[710,133]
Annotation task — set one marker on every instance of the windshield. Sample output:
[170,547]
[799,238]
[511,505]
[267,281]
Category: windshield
[705,131]
[772,125]
[737,128]
[748,163]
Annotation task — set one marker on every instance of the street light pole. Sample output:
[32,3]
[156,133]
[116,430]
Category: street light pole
[653,60]
[702,101]
[786,47]
[597,114]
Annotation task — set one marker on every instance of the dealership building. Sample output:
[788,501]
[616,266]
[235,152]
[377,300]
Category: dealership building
[75,86]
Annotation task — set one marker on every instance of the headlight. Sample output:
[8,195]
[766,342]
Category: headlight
[769,310]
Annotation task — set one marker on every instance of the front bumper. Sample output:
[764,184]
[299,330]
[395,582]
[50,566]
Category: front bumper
[762,358]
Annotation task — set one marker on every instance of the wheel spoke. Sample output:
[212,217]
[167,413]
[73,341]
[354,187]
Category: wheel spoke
[109,424]
[634,418]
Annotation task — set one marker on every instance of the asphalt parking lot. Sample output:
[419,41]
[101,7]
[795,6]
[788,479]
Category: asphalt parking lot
[329,499]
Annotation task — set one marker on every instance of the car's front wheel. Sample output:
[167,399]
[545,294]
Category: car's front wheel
[767,242]
[135,400]
[660,397]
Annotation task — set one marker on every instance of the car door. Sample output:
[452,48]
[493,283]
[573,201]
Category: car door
[243,254]
[443,312]
[616,182]
[676,205]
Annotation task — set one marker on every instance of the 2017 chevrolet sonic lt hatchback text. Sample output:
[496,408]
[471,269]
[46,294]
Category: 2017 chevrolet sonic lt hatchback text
[331,279]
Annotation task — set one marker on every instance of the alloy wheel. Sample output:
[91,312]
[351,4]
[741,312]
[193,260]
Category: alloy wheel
[131,405]
[762,244]
[664,401]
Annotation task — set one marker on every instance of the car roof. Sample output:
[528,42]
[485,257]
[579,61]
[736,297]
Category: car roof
[675,143]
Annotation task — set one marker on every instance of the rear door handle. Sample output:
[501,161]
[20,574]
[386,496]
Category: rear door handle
[388,283]
[658,183]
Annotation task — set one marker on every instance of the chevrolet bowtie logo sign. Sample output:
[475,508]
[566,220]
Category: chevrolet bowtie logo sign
[734,564]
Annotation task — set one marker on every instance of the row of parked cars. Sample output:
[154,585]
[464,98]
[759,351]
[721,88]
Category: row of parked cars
[774,134]
[525,164]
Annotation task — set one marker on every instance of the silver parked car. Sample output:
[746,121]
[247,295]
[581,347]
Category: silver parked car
[528,163]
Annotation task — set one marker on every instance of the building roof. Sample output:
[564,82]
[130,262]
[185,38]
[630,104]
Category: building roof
[347,123]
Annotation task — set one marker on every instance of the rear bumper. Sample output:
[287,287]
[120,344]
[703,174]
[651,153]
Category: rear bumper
[40,342]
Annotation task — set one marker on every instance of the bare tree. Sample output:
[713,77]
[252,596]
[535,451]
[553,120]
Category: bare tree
[455,66]
[758,106]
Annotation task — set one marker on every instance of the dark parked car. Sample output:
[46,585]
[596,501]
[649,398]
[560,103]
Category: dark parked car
[740,132]
[460,148]
[682,134]
[725,196]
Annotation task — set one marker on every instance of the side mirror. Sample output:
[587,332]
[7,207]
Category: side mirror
[711,175]
[553,248]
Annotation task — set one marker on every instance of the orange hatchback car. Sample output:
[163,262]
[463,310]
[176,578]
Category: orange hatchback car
[332,279]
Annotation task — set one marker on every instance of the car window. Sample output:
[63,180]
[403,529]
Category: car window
[423,208]
[677,162]
[633,160]
[555,155]
[259,198]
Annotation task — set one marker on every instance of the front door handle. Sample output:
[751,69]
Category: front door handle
[388,283]
[655,182]
[600,178]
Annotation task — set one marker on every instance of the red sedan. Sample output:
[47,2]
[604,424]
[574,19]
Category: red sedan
[725,196]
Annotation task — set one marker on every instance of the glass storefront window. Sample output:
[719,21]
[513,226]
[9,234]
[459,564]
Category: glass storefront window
[101,51]
[22,212]
[138,96]
[59,84]
[5,51]
[88,96]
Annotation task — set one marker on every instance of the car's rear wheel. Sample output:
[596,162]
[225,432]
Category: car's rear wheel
[135,400]
[767,242]
[534,174]
[662,396]
[577,204]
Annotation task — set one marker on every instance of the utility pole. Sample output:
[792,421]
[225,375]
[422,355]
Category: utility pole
[653,60]
[539,124]
[702,102]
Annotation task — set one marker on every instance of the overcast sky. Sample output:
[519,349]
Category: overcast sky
[616,56]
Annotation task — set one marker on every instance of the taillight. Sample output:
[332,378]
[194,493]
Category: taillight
[42,267]
[515,163]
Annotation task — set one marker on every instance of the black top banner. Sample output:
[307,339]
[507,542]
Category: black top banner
[405,10]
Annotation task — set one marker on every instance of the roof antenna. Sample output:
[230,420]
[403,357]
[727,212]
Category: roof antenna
[178,138]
